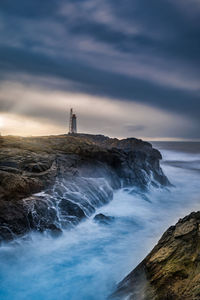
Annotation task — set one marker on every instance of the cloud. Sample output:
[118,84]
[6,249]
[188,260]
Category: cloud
[138,51]
[135,128]
[29,9]
[49,111]
[99,82]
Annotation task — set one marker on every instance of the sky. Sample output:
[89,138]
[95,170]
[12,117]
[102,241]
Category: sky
[129,68]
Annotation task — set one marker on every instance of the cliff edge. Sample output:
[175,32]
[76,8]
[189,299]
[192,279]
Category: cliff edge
[52,182]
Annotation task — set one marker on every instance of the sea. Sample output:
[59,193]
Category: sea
[87,261]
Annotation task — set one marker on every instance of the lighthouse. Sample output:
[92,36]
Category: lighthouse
[72,122]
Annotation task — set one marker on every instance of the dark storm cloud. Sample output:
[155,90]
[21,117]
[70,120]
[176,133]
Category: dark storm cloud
[103,83]
[86,42]
[29,9]
[135,128]
[163,28]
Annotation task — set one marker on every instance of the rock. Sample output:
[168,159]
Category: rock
[54,231]
[41,214]
[77,173]
[69,208]
[17,186]
[171,270]
[13,220]
[101,218]
[185,228]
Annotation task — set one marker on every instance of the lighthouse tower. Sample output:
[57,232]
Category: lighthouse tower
[72,122]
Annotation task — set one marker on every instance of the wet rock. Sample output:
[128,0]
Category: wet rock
[77,173]
[41,214]
[101,218]
[13,220]
[54,230]
[68,208]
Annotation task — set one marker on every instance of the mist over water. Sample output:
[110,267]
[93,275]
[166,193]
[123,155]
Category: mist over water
[87,261]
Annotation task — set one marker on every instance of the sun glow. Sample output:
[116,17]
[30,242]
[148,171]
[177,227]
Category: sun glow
[41,112]
[12,124]
[1,122]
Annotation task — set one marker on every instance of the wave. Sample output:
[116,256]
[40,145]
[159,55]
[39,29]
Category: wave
[87,261]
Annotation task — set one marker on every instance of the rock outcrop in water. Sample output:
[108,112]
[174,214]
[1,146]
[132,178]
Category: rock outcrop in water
[102,219]
[172,270]
[50,183]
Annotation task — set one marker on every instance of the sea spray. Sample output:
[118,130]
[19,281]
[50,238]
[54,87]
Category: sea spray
[88,260]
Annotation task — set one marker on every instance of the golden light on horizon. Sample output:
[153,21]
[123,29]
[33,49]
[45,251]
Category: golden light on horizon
[12,124]
[1,122]
[40,112]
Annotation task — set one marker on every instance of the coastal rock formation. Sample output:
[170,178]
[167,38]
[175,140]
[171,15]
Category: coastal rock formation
[50,183]
[102,219]
[172,270]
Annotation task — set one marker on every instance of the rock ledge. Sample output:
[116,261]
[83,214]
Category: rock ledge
[172,269]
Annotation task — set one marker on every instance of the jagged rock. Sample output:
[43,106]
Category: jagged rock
[101,218]
[41,214]
[78,174]
[172,269]
[13,220]
[17,186]
[69,208]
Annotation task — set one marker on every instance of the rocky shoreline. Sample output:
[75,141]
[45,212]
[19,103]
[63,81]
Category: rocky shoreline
[51,183]
[172,269]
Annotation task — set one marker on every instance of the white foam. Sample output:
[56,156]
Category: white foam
[86,262]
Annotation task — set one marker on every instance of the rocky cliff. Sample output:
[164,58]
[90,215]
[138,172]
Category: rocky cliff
[172,270]
[50,183]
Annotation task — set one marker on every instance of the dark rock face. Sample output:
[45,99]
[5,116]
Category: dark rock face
[77,174]
[171,270]
[101,218]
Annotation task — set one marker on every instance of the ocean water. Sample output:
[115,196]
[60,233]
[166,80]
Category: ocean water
[86,262]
